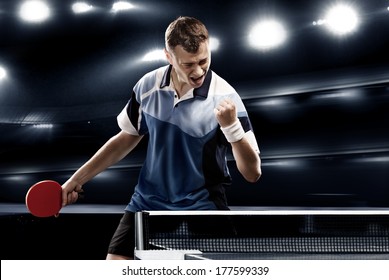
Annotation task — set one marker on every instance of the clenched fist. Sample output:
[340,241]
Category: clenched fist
[225,112]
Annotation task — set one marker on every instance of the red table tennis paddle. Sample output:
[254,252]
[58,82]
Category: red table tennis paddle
[44,199]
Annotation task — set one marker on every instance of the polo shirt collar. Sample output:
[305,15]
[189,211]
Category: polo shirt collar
[201,91]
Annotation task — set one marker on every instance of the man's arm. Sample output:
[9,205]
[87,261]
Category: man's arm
[110,153]
[246,157]
[247,160]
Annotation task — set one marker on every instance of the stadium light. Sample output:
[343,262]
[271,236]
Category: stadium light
[81,7]
[121,6]
[3,73]
[267,34]
[154,55]
[34,11]
[340,20]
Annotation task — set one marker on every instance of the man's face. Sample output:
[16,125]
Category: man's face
[190,68]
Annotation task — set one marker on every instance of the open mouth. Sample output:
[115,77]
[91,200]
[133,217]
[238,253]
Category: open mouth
[198,80]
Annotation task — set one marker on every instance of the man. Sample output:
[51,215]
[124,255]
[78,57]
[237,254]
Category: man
[192,116]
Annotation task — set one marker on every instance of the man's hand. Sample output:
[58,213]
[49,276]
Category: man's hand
[225,112]
[70,192]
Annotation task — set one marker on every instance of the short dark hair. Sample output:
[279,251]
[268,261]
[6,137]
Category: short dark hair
[187,32]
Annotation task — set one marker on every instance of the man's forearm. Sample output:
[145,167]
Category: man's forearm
[247,160]
[110,153]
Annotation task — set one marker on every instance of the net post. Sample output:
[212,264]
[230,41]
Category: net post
[139,231]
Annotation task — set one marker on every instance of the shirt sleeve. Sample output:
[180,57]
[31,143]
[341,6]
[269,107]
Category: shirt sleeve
[125,123]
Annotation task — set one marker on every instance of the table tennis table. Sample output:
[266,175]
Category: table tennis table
[283,256]
[265,234]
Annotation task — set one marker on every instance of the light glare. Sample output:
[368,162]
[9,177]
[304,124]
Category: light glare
[154,55]
[81,7]
[121,6]
[214,44]
[3,73]
[341,19]
[267,34]
[34,11]
[43,126]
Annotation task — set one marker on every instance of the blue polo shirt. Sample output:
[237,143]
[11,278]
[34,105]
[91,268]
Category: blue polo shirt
[185,166]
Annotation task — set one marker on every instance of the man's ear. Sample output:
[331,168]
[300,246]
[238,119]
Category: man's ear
[168,56]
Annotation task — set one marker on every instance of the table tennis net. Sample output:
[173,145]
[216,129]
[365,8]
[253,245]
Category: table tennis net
[266,233]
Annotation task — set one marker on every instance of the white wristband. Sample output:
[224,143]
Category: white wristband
[234,132]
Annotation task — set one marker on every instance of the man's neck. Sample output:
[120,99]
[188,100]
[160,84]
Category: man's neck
[180,87]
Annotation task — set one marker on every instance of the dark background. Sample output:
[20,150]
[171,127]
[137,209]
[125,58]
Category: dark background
[319,105]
